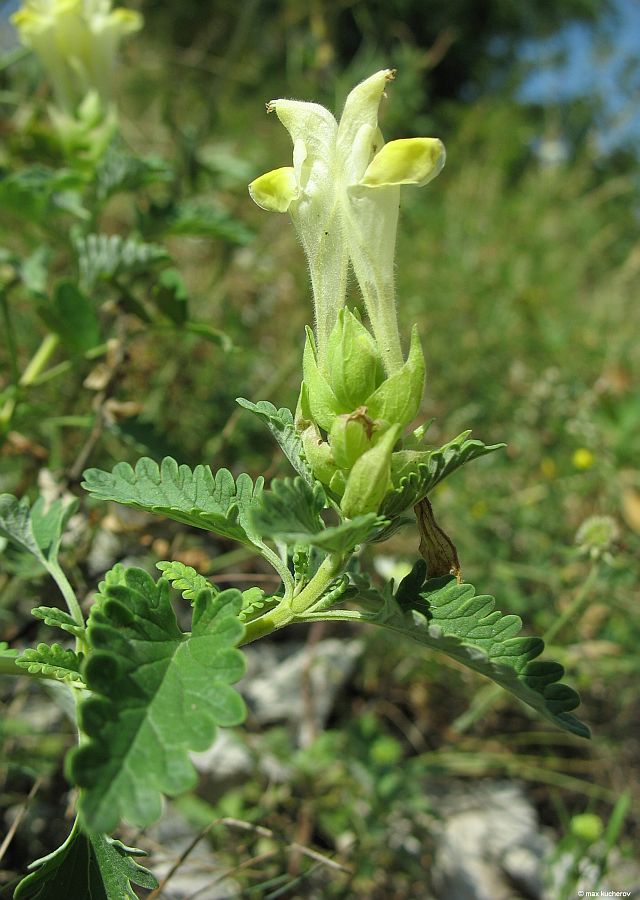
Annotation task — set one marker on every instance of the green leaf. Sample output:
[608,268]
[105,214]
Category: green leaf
[170,296]
[158,693]
[290,512]
[185,579]
[120,171]
[36,529]
[440,465]
[208,333]
[57,618]
[105,257]
[28,192]
[87,866]
[71,315]
[291,508]
[54,660]
[280,424]
[449,617]
[205,220]
[199,498]
[34,271]
[254,601]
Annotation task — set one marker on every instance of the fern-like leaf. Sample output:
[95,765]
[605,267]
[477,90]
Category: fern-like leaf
[185,579]
[195,497]
[441,463]
[104,257]
[157,694]
[57,618]
[254,601]
[53,661]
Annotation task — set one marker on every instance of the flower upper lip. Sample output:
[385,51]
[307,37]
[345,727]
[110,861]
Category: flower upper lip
[343,195]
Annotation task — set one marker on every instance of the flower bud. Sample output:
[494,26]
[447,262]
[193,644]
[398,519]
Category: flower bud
[354,366]
[370,478]
[398,398]
[323,405]
[350,437]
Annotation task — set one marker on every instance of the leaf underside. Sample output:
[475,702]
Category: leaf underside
[87,866]
[37,529]
[442,462]
[290,512]
[449,617]
[194,497]
[281,425]
[158,693]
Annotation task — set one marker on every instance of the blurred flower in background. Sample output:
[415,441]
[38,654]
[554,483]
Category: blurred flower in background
[77,42]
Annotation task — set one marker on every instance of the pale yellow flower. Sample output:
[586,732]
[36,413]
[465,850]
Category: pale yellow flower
[343,195]
[77,43]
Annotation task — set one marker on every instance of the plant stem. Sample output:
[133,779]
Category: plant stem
[8,666]
[290,609]
[67,592]
[35,366]
[39,359]
[575,607]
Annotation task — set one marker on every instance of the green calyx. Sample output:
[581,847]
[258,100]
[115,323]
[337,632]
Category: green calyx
[370,478]
[353,363]
[322,402]
[398,398]
[350,416]
[351,377]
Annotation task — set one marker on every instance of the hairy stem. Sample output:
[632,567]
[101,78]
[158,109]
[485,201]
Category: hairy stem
[290,609]
[67,592]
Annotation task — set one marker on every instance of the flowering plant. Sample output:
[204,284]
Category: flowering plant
[147,692]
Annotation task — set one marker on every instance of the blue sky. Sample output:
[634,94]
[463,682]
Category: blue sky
[593,65]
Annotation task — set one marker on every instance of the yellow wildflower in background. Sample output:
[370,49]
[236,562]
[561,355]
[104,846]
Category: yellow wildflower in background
[583,458]
[77,42]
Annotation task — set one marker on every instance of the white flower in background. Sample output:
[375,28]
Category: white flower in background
[343,195]
[77,42]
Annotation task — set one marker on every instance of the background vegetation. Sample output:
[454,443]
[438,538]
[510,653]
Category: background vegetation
[520,265]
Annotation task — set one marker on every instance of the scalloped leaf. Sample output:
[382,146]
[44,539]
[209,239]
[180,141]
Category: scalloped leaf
[54,661]
[440,465]
[87,866]
[449,617]
[281,425]
[37,529]
[158,693]
[105,257]
[195,497]
[290,512]
[57,618]
[291,508]
[185,579]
